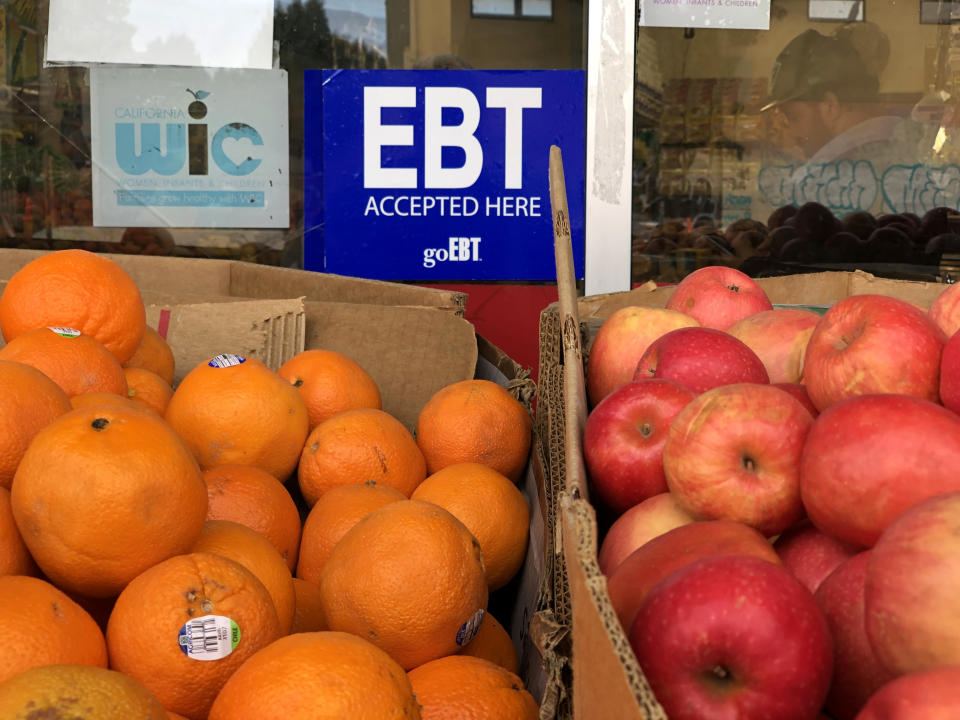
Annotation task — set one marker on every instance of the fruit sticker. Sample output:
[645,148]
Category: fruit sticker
[210,637]
[469,629]
[65,331]
[222,361]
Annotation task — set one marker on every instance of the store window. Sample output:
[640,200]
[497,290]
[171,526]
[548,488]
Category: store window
[829,141]
[46,155]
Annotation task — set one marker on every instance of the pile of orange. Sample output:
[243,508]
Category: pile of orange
[234,541]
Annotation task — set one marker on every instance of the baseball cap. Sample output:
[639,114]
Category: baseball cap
[812,61]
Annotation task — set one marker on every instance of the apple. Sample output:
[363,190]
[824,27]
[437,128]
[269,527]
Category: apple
[869,458]
[700,359]
[734,452]
[872,344]
[811,555]
[912,586]
[857,673]
[638,525]
[779,338]
[623,441]
[924,695]
[945,310]
[799,391]
[620,343]
[718,296]
[950,374]
[633,578]
[733,637]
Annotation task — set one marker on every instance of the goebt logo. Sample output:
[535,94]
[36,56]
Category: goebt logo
[185,144]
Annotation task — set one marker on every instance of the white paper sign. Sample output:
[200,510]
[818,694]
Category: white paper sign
[189,147]
[193,33]
[729,14]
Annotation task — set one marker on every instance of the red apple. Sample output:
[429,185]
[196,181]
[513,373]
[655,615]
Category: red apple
[913,582]
[733,637]
[733,453]
[872,344]
[779,338]
[620,343]
[869,458]
[629,584]
[950,373]
[857,673]
[700,359]
[810,555]
[799,391]
[926,695]
[945,310]
[638,525]
[718,296]
[623,441]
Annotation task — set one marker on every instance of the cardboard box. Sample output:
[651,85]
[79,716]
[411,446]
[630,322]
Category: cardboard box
[273,313]
[605,680]
[412,340]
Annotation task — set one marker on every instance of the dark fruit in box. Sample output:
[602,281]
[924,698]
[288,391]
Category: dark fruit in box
[815,222]
[860,223]
[887,245]
[841,247]
[935,222]
[780,215]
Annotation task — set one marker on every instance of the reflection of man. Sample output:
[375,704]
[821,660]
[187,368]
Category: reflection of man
[825,91]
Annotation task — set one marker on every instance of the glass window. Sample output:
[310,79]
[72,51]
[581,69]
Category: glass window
[829,141]
[45,122]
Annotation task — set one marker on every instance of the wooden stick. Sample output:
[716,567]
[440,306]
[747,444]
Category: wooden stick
[574,391]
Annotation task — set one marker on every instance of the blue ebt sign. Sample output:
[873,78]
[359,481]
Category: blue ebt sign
[439,175]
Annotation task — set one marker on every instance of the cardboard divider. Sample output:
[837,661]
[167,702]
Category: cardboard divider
[271,331]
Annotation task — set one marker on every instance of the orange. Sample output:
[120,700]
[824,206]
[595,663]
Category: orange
[153,354]
[234,410]
[475,421]
[256,554]
[330,382]
[493,643]
[317,676]
[338,510]
[103,493]
[460,687]
[77,363]
[307,611]
[409,578]
[14,557]
[357,446]
[101,398]
[491,507]
[78,289]
[176,716]
[183,603]
[29,402]
[40,625]
[254,498]
[77,691]
[148,389]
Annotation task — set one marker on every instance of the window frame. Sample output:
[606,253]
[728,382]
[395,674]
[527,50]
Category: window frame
[516,15]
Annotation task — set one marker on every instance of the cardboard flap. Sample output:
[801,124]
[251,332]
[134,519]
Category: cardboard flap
[272,331]
[607,678]
[411,352]
[920,293]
